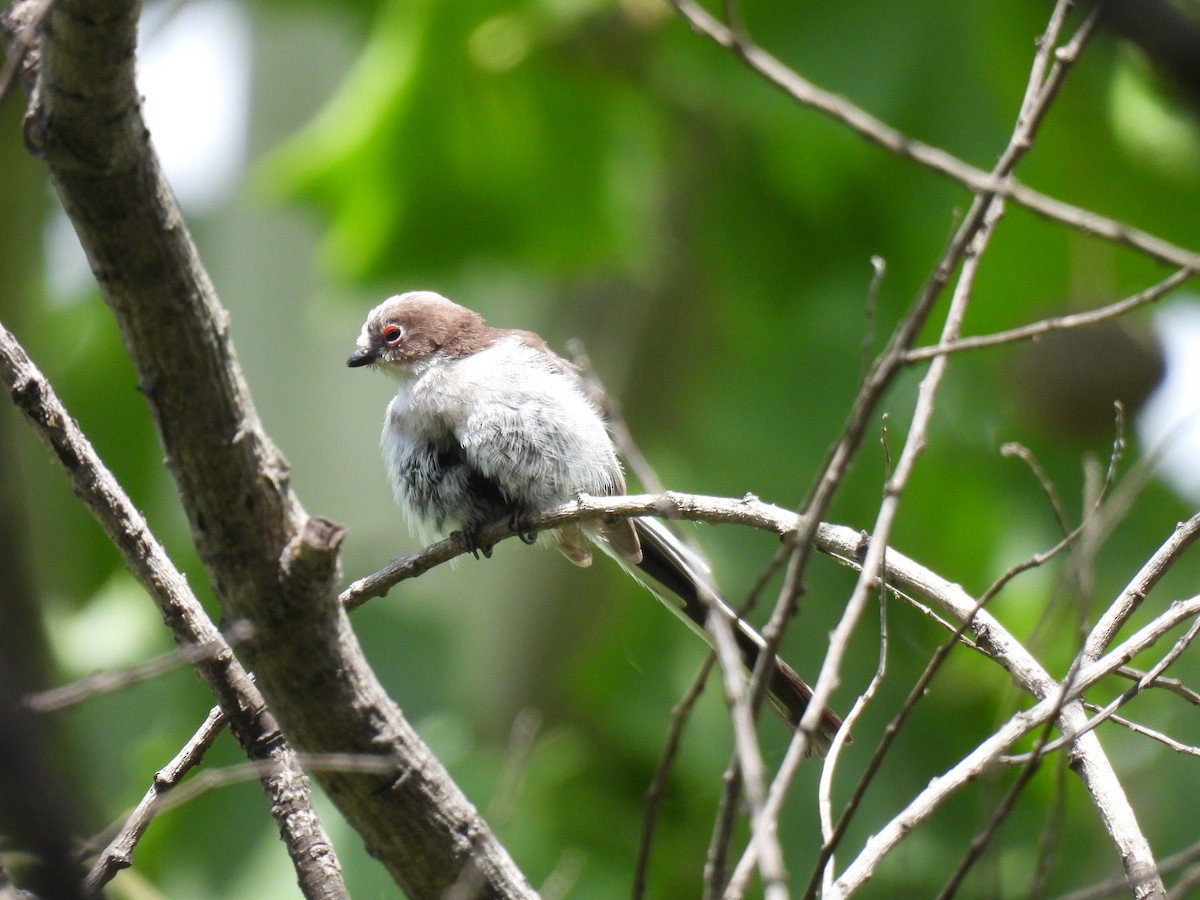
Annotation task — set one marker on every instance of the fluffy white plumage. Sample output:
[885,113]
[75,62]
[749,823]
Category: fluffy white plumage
[487,401]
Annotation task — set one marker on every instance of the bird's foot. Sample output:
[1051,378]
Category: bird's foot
[469,538]
[519,524]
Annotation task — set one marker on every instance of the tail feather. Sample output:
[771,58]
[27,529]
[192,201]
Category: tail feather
[670,564]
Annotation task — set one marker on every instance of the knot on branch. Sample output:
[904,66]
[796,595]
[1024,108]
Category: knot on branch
[310,563]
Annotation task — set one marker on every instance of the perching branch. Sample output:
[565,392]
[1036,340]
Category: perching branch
[907,576]
[843,544]
[748,510]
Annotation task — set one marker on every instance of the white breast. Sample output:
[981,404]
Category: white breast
[520,421]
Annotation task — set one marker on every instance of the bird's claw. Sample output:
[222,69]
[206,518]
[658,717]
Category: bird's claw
[518,523]
[469,538]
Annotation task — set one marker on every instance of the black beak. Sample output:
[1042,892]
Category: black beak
[361,358]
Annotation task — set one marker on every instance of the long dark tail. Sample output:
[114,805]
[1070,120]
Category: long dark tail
[670,564]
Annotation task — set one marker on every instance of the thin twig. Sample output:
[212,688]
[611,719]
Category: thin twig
[658,784]
[1057,323]
[1092,523]
[1182,644]
[1140,871]
[119,852]
[878,270]
[825,785]
[977,180]
[1152,733]
[1048,487]
[1136,591]
[1174,685]
[97,683]
[716,857]
[764,834]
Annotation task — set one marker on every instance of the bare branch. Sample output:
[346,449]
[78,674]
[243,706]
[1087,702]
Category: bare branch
[1152,733]
[1057,323]
[658,783]
[863,123]
[269,562]
[823,871]
[1026,672]
[105,682]
[1140,871]
[973,238]
[716,857]
[309,846]
[1174,685]
[1107,712]
[764,834]
[977,224]
[833,835]
[119,853]
[1136,591]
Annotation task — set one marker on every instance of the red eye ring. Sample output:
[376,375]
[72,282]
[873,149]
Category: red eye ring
[393,334]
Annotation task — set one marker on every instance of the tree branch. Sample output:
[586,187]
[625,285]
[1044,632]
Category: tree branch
[935,159]
[748,510]
[1056,323]
[1089,759]
[903,574]
[269,562]
[1140,870]
[119,852]
[239,698]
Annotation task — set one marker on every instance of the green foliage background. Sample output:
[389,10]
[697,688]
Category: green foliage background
[596,170]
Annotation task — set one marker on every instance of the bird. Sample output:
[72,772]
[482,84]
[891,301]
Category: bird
[489,424]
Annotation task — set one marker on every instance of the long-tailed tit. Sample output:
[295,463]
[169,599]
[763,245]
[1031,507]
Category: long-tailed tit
[488,423]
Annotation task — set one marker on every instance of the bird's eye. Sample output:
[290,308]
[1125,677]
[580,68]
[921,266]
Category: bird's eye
[393,334]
